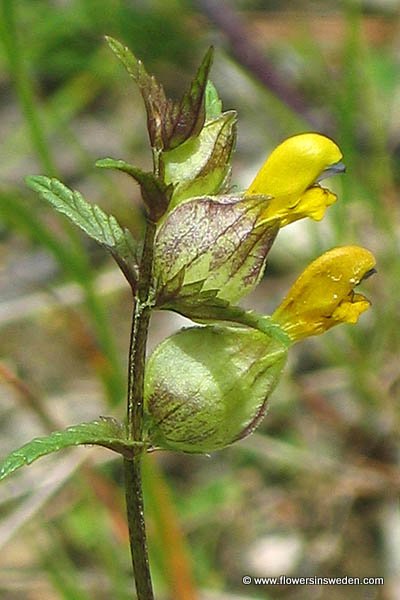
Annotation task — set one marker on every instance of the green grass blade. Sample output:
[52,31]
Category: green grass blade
[23,84]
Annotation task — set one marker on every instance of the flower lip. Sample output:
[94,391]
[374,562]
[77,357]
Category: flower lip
[334,169]
[323,295]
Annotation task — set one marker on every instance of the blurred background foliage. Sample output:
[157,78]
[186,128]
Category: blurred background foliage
[315,490]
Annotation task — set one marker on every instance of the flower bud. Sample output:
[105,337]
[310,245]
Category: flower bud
[206,387]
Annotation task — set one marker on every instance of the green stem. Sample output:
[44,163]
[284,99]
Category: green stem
[137,352]
[231,314]
[132,468]
[137,528]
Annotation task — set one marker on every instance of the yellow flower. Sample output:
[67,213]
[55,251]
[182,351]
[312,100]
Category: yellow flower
[291,176]
[323,295]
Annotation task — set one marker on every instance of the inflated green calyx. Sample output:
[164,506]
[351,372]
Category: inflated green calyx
[206,387]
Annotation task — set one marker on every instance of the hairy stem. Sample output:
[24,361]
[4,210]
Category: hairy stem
[137,529]
[132,468]
[137,352]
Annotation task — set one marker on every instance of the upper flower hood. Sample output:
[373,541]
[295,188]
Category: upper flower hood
[291,176]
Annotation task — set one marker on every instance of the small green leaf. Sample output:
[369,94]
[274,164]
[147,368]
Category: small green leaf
[105,432]
[103,228]
[191,115]
[156,194]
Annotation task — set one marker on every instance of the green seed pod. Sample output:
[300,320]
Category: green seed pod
[206,387]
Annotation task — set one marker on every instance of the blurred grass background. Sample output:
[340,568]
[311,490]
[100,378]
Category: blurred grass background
[315,490]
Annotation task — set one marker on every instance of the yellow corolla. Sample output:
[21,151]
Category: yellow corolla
[323,295]
[291,176]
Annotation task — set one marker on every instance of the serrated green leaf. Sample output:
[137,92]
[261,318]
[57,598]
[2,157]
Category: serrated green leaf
[161,112]
[155,193]
[221,242]
[105,432]
[103,228]
[191,114]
